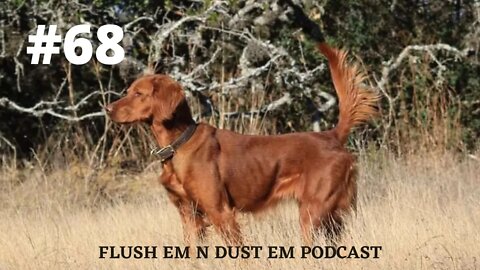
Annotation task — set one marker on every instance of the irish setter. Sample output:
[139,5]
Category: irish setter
[211,173]
[217,172]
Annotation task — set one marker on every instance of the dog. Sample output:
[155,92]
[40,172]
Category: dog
[210,174]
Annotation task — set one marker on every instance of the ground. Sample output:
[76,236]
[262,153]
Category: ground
[422,209]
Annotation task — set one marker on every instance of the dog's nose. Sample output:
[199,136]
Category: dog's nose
[109,108]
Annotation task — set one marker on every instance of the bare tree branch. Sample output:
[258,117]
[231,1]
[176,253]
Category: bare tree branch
[392,65]
[51,107]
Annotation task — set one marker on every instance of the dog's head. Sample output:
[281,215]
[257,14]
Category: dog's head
[150,98]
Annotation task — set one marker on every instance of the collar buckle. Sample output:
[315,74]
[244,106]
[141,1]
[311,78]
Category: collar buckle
[168,151]
[165,153]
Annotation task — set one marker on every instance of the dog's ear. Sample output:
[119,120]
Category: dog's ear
[168,98]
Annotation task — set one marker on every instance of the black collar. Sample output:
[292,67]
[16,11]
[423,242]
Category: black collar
[167,152]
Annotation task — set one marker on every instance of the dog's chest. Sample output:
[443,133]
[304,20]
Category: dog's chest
[171,182]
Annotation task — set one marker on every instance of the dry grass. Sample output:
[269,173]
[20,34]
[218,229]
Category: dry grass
[424,211]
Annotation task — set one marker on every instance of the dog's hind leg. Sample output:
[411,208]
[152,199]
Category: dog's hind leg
[318,216]
[313,217]
[327,197]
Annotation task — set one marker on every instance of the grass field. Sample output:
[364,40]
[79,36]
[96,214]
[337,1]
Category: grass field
[424,211]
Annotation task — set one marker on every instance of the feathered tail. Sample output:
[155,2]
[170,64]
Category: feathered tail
[356,102]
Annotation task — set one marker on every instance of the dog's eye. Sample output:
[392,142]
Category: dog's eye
[137,94]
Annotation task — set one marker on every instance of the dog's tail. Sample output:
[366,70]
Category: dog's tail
[357,103]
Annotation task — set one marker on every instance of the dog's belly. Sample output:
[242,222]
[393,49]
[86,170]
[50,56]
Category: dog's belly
[256,197]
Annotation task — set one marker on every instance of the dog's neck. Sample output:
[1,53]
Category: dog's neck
[165,134]
[168,130]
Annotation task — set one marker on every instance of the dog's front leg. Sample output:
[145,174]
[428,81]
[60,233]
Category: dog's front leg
[192,220]
[225,223]
[194,227]
[213,200]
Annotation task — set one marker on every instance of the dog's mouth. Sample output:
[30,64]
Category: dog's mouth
[119,121]
[127,119]
[119,116]
[124,121]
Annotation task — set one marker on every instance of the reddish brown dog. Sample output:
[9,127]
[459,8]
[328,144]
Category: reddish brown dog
[218,172]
